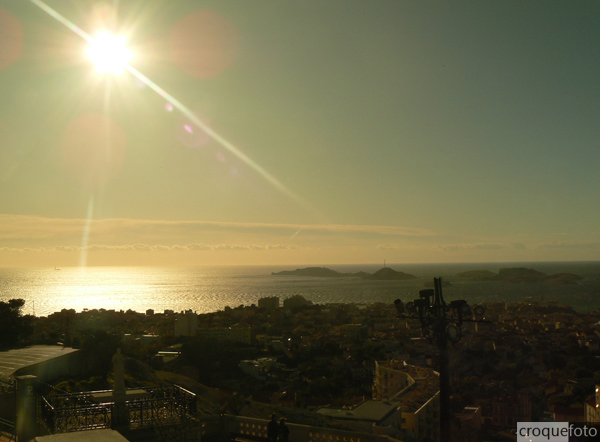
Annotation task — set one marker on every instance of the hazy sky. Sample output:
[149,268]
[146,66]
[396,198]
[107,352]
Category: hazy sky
[340,131]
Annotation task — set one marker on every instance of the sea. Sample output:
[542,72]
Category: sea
[208,289]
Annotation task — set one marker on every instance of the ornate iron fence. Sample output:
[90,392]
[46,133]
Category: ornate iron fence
[76,418]
[75,412]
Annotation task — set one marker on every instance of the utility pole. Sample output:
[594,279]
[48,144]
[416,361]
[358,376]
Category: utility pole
[440,323]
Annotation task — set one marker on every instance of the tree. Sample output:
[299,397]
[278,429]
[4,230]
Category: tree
[13,326]
[216,359]
[97,348]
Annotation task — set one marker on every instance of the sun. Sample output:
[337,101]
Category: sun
[109,53]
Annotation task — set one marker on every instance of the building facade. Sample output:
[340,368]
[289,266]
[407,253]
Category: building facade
[416,389]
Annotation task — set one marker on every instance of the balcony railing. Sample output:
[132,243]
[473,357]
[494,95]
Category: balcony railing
[75,412]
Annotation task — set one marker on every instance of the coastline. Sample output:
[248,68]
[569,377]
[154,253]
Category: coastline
[211,289]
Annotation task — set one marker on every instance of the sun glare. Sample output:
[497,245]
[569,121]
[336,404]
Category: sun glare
[109,53]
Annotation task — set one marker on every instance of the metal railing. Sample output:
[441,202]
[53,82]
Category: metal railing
[76,412]
[75,418]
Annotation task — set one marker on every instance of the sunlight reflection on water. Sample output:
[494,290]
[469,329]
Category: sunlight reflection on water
[208,289]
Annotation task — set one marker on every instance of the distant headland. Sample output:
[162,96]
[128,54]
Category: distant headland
[519,274]
[515,275]
[383,274]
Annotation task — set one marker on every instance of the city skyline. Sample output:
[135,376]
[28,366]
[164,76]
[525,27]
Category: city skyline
[300,133]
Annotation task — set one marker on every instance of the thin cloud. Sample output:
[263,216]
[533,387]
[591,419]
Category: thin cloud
[151,248]
[18,228]
[28,227]
[480,246]
[395,246]
[570,245]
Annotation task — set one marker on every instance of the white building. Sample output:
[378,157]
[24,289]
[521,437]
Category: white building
[592,407]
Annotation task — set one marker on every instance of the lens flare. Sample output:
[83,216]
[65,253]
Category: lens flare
[231,38]
[189,134]
[109,53]
[11,38]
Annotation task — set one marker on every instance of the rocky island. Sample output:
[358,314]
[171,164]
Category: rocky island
[388,274]
[319,272]
[383,274]
[519,275]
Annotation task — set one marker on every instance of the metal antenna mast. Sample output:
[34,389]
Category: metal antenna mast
[441,322]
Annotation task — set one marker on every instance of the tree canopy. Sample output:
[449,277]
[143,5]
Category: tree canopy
[13,326]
